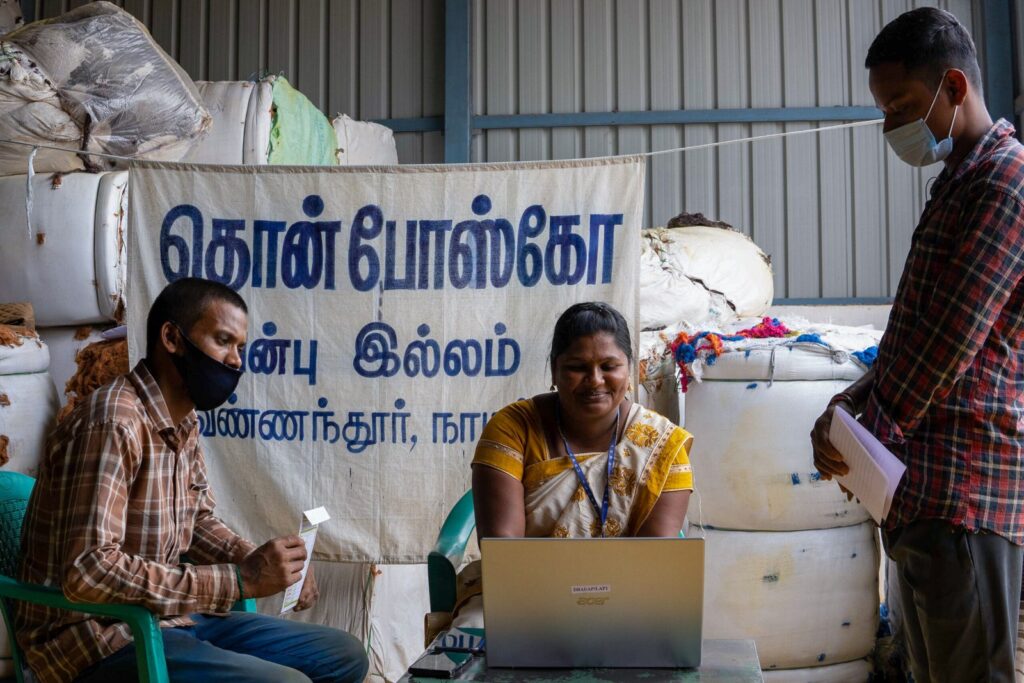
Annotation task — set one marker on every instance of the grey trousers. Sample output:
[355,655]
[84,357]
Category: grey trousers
[959,601]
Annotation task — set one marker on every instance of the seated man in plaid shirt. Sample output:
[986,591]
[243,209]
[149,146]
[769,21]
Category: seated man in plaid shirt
[123,494]
[945,393]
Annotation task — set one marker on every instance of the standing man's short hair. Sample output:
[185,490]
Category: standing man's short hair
[927,42]
[183,302]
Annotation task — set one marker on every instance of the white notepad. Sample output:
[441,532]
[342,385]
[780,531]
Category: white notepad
[874,471]
[311,519]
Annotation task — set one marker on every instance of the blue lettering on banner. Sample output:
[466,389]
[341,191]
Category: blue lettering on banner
[267,356]
[377,354]
[482,252]
[361,429]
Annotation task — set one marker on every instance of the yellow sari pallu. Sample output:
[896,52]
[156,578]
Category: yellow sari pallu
[651,458]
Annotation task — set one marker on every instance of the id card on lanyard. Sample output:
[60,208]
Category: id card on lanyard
[600,510]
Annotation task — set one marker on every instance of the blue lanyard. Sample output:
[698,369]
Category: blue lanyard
[602,511]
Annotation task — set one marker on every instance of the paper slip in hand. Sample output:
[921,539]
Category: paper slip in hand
[307,532]
[874,471]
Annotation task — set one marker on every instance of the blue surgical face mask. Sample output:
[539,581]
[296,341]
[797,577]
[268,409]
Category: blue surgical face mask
[914,142]
[208,381]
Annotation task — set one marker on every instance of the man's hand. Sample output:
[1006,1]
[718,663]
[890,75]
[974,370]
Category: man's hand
[310,592]
[827,459]
[273,566]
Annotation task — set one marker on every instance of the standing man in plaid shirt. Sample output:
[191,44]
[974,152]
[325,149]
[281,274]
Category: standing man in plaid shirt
[123,495]
[945,393]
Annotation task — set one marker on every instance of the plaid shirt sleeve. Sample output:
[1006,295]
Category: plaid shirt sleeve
[106,456]
[985,267]
[212,540]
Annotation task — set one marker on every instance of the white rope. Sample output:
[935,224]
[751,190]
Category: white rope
[674,150]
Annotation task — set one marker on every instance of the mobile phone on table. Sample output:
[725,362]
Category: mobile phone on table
[448,655]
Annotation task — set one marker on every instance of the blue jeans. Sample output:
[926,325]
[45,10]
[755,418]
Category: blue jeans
[243,647]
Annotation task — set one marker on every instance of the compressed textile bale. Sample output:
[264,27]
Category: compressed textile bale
[300,133]
[31,111]
[752,459]
[364,143]
[807,598]
[701,273]
[242,114]
[125,94]
[21,351]
[28,405]
[858,671]
[70,262]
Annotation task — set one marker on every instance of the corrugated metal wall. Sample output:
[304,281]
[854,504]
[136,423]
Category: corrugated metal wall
[835,210]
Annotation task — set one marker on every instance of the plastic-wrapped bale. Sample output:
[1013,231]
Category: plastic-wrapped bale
[243,114]
[64,344]
[300,134]
[701,274]
[10,16]
[71,263]
[364,143]
[122,92]
[658,388]
[858,671]
[807,598]
[28,399]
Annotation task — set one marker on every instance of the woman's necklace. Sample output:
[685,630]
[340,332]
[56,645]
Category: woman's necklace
[600,510]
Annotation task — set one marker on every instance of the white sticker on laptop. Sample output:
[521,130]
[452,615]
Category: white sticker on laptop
[592,588]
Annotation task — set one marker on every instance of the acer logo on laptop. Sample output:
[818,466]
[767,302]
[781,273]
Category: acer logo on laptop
[592,600]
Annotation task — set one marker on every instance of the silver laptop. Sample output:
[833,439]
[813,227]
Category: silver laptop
[603,602]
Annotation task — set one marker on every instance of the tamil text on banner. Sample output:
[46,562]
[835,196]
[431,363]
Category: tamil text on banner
[391,312]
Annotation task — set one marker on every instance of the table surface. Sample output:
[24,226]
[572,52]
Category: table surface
[722,661]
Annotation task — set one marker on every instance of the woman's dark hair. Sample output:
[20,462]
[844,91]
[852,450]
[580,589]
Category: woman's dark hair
[926,41]
[586,319]
[183,302]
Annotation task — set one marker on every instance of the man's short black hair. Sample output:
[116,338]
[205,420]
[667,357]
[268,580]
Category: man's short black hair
[926,41]
[183,302]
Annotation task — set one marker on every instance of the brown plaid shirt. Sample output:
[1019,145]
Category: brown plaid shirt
[122,494]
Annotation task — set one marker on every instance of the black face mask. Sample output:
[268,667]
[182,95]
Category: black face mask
[208,381]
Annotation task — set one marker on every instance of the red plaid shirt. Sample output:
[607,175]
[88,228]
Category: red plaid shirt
[950,370]
[122,494]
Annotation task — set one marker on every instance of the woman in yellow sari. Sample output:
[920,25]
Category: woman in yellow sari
[583,460]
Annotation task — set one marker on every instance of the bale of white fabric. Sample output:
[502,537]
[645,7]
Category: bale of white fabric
[364,143]
[242,113]
[28,402]
[70,262]
[807,598]
[701,274]
[752,460]
[858,671]
[122,93]
[382,605]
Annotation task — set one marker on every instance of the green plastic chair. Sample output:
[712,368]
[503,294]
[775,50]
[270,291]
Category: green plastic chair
[15,490]
[448,552]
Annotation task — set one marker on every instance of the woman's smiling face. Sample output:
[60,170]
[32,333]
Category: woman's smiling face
[592,376]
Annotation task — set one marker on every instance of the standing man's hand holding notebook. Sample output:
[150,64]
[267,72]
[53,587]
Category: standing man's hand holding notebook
[874,471]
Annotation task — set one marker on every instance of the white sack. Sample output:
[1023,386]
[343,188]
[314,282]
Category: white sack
[385,609]
[71,266]
[31,111]
[364,143]
[242,118]
[10,19]
[807,598]
[858,671]
[752,461]
[733,272]
[31,355]
[126,95]
[28,406]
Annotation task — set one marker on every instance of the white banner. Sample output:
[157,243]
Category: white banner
[391,312]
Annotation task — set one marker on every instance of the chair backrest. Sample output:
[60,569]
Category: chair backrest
[15,490]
